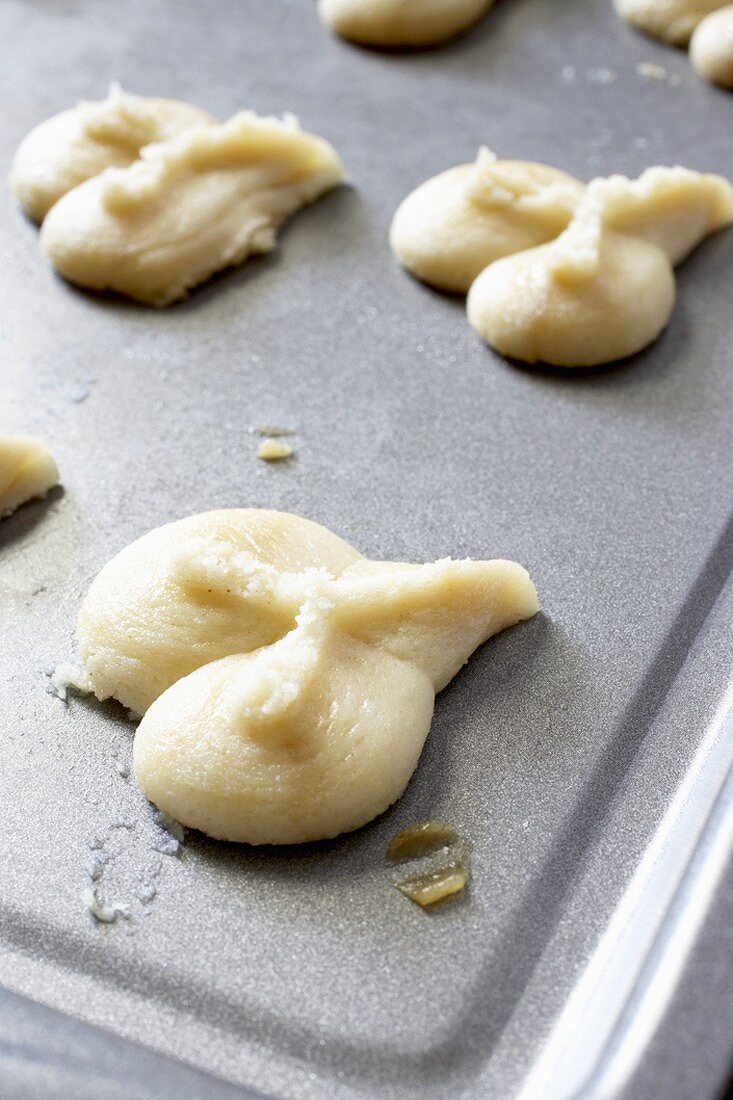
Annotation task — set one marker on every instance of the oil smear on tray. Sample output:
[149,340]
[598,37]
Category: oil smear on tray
[445,858]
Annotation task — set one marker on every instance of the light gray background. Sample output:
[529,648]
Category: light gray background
[555,752]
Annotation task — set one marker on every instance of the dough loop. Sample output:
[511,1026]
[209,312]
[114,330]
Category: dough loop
[451,227]
[605,288]
[188,207]
[287,683]
[75,145]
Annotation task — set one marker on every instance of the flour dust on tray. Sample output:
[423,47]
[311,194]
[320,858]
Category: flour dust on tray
[286,683]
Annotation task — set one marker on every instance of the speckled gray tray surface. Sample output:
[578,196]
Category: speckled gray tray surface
[585,754]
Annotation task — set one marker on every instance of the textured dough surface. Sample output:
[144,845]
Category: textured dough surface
[672,208]
[287,683]
[605,288]
[526,312]
[670,20]
[711,48]
[451,227]
[75,145]
[188,208]
[27,470]
[401,23]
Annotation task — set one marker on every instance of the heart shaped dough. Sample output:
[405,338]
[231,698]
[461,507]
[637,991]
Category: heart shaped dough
[287,683]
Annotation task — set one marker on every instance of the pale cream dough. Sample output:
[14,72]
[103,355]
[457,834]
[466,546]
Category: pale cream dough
[711,48]
[75,145]
[706,25]
[287,683]
[605,288]
[188,207]
[274,450]
[671,20]
[401,24]
[27,470]
[451,227]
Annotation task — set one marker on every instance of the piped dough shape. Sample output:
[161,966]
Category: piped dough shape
[287,683]
[451,227]
[605,288]
[401,24]
[189,207]
[27,471]
[671,21]
[711,47]
[75,145]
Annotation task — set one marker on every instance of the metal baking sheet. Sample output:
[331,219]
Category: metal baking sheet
[586,754]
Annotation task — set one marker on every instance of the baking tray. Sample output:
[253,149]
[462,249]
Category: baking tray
[586,754]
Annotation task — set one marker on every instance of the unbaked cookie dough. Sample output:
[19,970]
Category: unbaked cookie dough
[706,25]
[672,21]
[711,48]
[287,683]
[451,227]
[27,471]
[75,145]
[605,288]
[401,24]
[188,207]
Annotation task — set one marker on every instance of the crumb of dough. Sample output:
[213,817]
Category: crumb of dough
[287,683]
[272,450]
[605,288]
[711,47]
[188,207]
[81,142]
[395,24]
[64,678]
[419,840]
[27,471]
[104,914]
[451,227]
[430,888]
[650,71]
